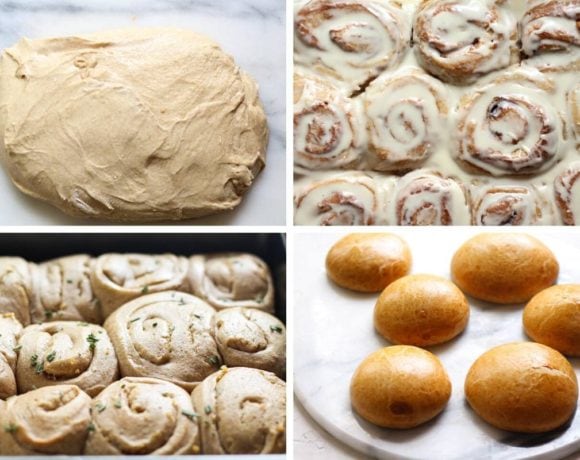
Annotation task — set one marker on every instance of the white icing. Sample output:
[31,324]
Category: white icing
[567,187]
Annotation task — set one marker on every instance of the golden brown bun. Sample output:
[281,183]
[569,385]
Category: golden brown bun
[524,387]
[503,267]
[421,310]
[552,317]
[400,387]
[368,262]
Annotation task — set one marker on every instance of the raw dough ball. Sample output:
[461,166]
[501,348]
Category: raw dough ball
[135,124]
[421,310]
[368,262]
[524,387]
[503,267]
[552,317]
[400,387]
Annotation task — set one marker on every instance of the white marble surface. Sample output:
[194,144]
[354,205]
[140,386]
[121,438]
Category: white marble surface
[334,332]
[253,31]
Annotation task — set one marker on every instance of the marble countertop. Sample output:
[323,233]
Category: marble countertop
[334,333]
[253,31]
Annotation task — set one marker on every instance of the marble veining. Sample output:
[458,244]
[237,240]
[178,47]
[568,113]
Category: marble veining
[253,31]
[334,332]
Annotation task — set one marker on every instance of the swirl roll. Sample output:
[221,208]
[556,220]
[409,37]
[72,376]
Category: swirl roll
[427,198]
[346,199]
[16,288]
[404,115]
[62,291]
[251,338]
[10,330]
[119,278]
[460,40]
[510,127]
[567,192]
[350,40]
[232,280]
[326,130]
[242,411]
[51,420]
[510,205]
[143,416]
[165,335]
[68,352]
[552,26]
[573,102]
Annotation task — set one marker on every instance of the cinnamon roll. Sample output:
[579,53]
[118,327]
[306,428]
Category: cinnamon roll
[16,288]
[460,40]
[510,205]
[165,335]
[552,26]
[350,40]
[573,102]
[10,330]
[567,191]
[232,280]
[251,338]
[404,119]
[326,125]
[119,278]
[428,198]
[242,411]
[345,199]
[51,420]
[510,127]
[62,291]
[143,416]
[68,352]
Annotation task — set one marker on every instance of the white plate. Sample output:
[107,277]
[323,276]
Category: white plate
[334,332]
[253,32]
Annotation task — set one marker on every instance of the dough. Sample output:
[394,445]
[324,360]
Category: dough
[130,125]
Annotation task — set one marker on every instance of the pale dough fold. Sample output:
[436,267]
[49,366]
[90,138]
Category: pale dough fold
[130,125]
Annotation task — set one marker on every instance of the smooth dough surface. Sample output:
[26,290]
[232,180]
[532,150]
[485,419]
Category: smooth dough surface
[130,125]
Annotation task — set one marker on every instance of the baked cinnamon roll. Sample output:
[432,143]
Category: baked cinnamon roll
[341,199]
[51,420]
[552,26]
[573,103]
[165,335]
[428,198]
[232,280]
[567,191]
[404,119]
[143,416]
[62,291]
[65,352]
[326,125]
[242,411]
[350,40]
[510,205]
[10,330]
[16,288]
[510,127]
[119,278]
[251,338]
[460,40]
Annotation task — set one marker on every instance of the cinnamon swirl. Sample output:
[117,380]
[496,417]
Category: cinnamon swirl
[404,119]
[16,288]
[10,330]
[232,280]
[567,191]
[143,416]
[346,199]
[51,420]
[350,40]
[65,352]
[326,125]
[510,127]
[165,335]
[461,40]
[428,198]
